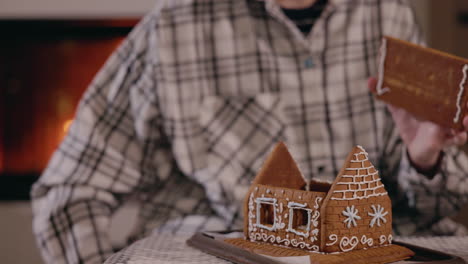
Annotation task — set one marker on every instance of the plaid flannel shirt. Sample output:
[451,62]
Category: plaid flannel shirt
[183,114]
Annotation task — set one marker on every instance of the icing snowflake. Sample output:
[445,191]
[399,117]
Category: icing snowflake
[352,215]
[378,215]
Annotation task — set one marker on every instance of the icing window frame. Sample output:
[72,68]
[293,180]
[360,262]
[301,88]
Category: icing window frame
[303,207]
[272,203]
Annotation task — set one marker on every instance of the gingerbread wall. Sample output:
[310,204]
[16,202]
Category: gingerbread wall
[357,212]
[281,233]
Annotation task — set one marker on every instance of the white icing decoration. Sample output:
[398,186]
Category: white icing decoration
[284,241]
[378,215]
[390,239]
[317,201]
[362,150]
[294,204]
[315,218]
[354,169]
[314,232]
[460,93]
[352,216]
[382,239]
[359,183]
[368,191]
[297,206]
[271,201]
[367,241]
[280,224]
[359,198]
[333,238]
[262,235]
[251,215]
[383,55]
[347,244]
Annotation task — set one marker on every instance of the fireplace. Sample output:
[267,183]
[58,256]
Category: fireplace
[45,67]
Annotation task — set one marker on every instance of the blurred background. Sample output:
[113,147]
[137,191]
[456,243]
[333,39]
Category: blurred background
[50,51]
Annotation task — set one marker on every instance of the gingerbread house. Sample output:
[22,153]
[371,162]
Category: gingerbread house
[352,213]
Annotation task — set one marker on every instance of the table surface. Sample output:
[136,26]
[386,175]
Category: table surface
[170,249]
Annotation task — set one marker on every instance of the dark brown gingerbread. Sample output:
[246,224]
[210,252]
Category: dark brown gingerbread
[427,83]
[348,220]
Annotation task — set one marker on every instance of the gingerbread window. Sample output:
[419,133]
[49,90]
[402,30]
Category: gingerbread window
[299,219]
[266,213]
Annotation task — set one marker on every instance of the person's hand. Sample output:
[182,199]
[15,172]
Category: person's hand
[424,140]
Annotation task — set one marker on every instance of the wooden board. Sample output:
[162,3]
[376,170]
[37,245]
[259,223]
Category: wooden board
[215,243]
[376,255]
[427,83]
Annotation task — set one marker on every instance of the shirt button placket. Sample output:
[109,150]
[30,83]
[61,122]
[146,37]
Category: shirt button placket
[308,63]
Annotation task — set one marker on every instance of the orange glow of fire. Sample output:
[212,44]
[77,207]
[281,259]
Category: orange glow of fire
[67,125]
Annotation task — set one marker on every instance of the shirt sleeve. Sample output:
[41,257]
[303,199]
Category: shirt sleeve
[421,204]
[113,150]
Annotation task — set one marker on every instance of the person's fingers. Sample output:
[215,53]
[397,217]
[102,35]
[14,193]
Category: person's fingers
[393,109]
[372,84]
[461,139]
[452,132]
[457,140]
[396,113]
[465,122]
[399,114]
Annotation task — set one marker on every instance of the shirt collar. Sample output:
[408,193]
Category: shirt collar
[275,11]
[331,2]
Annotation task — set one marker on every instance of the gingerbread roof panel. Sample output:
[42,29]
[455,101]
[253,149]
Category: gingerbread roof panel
[280,170]
[358,178]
